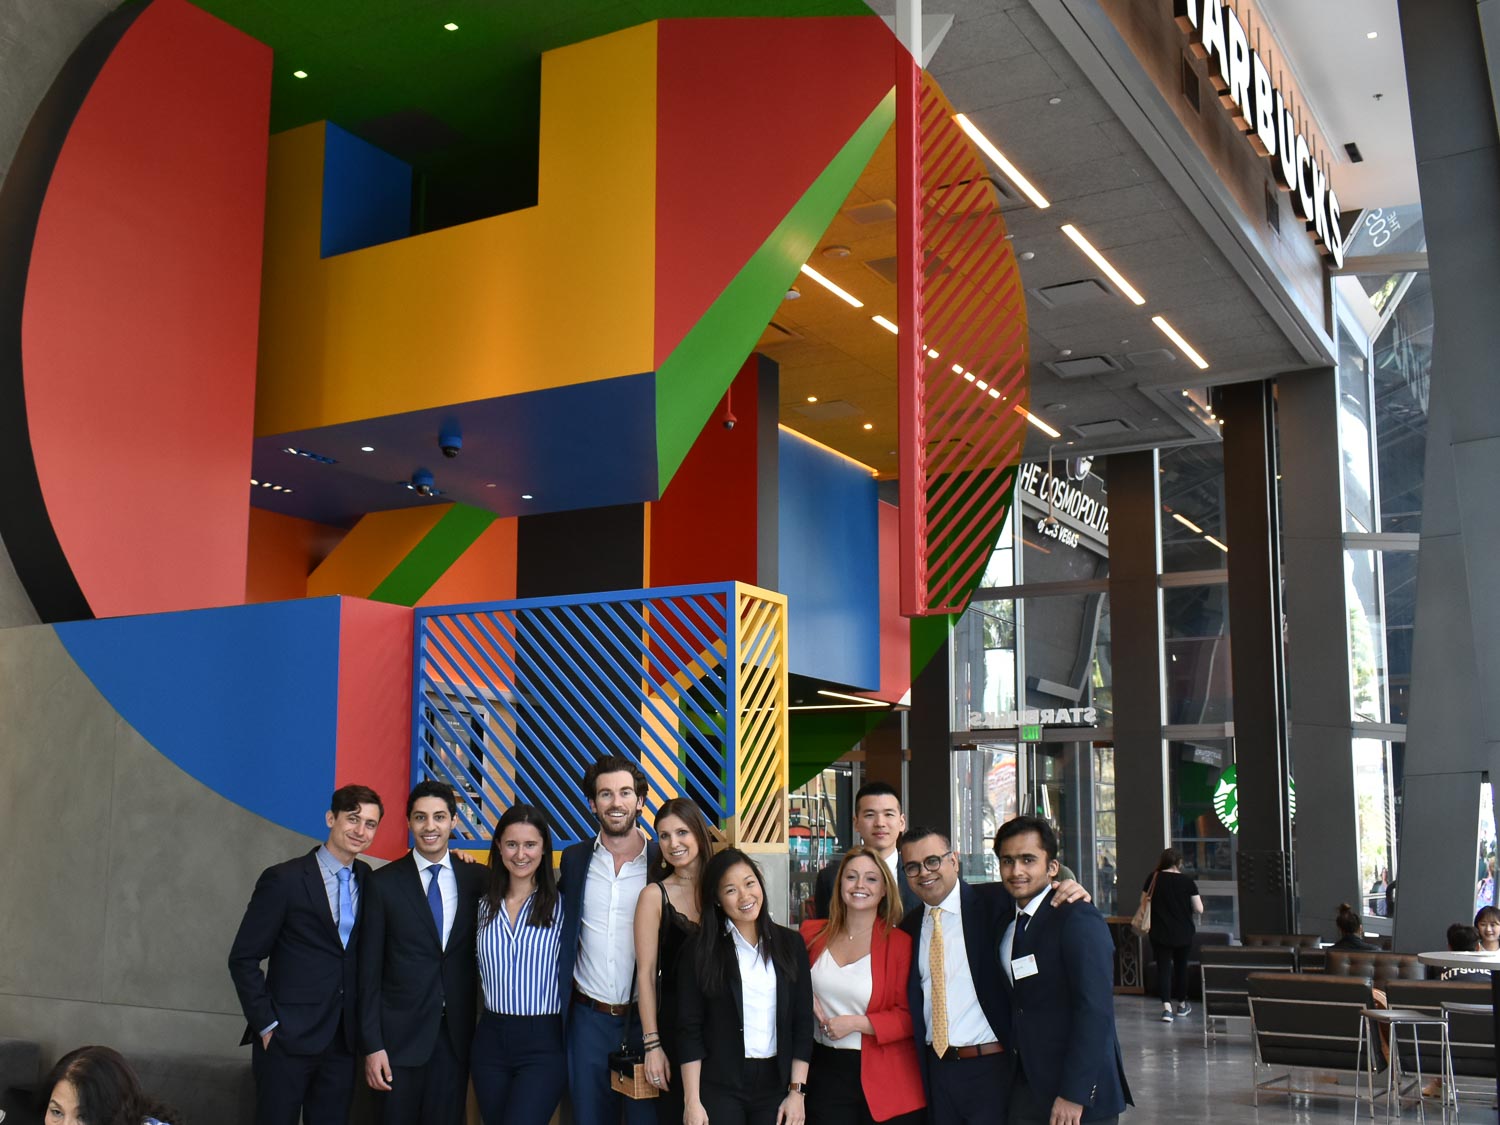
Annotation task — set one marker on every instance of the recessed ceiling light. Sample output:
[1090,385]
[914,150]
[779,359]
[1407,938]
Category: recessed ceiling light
[265,484]
[1176,338]
[367,449]
[527,496]
[836,251]
[1054,101]
[1103,263]
[1037,422]
[254,482]
[812,398]
[450,27]
[793,294]
[869,425]
[1372,34]
[887,325]
[1010,170]
[843,295]
[299,74]
[932,353]
[1027,255]
[489,486]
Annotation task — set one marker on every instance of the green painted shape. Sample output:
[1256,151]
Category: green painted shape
[692,380]
[820,738]
[430,559]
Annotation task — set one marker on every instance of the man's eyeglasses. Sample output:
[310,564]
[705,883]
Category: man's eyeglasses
[931,863]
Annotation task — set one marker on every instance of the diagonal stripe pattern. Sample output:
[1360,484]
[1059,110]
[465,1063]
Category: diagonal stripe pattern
[961,379]
[513,700]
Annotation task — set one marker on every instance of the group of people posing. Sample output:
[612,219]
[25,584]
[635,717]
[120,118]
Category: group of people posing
[915,996]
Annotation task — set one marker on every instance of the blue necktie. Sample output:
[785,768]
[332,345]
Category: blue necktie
[346,906]
[435,899]
[1018,940]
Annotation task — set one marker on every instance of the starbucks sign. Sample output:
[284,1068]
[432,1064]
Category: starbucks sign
[1227,801]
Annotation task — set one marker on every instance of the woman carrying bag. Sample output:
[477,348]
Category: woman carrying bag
[1170,909]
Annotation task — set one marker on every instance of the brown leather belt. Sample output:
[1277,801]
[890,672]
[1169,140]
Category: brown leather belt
[973,1052]
[581,997]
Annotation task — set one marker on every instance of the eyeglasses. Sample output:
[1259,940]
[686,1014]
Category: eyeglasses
[931,863]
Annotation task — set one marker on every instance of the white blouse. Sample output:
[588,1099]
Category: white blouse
[758,985]
[843,990]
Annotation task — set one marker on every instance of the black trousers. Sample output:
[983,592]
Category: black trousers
[315,1089]
[1171,970]
[520,1068]
[752,1101]
[433,1094]
[1026,1106]
[835,1091]
[966,1091]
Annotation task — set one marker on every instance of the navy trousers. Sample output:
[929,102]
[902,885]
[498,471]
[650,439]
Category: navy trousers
[519,1068]
[967,1091]
[434,1094]
[316,1089]
[592,1035]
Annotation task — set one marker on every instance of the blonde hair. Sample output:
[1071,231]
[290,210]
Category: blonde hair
[890,911]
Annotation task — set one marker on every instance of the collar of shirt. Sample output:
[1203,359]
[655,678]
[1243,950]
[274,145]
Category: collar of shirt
[640,835]
[893,861]
[423,863]
[329,862]
[1034,905]
[952,904]
[739,938]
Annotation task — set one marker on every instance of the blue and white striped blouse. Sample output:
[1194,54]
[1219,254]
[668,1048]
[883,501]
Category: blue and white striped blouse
[518,964]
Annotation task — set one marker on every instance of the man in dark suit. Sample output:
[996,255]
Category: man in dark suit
[418,975]
[878,822]
[304,918]
[1058,970]
[600,881]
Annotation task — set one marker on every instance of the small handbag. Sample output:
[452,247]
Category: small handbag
[627,1075]
[1140,922]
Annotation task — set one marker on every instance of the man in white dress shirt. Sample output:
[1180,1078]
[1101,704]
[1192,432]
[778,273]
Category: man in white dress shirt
[878,822]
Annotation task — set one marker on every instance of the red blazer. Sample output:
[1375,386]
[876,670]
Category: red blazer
[889,1073]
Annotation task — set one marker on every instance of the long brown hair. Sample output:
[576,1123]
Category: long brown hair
[890,911]
[686,810]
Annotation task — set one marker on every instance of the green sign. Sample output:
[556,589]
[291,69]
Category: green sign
[1227,802]
[1031,733]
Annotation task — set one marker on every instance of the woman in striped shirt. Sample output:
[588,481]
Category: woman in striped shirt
[519,1064]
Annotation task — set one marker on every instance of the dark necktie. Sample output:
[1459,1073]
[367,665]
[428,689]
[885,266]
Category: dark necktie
[1019,940]
[435,899]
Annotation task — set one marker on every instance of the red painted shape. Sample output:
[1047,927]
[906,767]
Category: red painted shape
[486,572]
[374,735]
[703,529]
[749,113]
[142,314]
[283,552]
[895,630]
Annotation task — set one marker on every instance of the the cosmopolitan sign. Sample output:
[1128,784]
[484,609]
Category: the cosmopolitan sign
[1219,36]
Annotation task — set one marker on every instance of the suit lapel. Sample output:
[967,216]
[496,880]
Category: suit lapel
[417,886]
[317,892]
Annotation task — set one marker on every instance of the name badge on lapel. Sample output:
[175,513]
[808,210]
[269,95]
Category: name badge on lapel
[1023,967]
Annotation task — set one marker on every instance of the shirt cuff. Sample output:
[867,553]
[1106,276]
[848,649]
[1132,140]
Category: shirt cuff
[270,1027]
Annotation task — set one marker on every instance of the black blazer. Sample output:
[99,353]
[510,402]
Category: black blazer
[987,909]
[823,891]
[1063,1017]
[572,874]
[310,982]
[711,1030]
[406,977]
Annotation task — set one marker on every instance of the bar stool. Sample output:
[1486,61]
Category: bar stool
[1394,1019]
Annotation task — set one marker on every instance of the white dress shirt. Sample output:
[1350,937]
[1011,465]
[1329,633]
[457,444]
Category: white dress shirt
[843,990]
[447,885]
[1008,940]
[758,989]
[329,868]
[893,861]
[967,1023]
[606,936]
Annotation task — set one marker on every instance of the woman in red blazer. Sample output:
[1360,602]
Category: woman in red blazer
[864,1065]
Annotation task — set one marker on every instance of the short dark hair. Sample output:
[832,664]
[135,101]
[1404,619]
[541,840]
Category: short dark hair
[874,789]
[1462,937]
[921,832]
[107,1088]
[1348,921]
[430,788]
[613,763]
[350,797]
[1021,825]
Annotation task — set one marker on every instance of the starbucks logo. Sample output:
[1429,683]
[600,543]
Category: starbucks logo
[1227,802]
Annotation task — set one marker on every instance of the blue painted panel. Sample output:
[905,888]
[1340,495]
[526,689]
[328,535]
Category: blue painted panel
[829,560]
[366,194]
[244,699]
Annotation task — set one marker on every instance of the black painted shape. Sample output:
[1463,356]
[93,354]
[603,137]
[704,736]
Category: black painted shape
[25,526]
[587,551]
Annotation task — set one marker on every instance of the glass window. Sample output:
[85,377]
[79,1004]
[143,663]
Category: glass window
[1402,369]
[1106,830]
[1354,433]
[1000,571]
[1195,624]
[1399,585]
[1194,769]
[1064,638]
[1375,821]
[1064,520]
[984,665]
[1367,664]
[1192,508]
[986,794]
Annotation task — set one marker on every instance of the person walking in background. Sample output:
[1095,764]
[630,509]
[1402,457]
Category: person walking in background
[1351,931]
[745,1006]
[418,980]
[95,1086]
[667,915]
[878,822]
[864,1065]
[518,1062]
[1487,922]
[1176,907]
[303,919]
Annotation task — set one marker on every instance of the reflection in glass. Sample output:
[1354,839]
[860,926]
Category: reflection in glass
[1375,822]
[985,795]
[1354,434]
[1192,502]
[1399,581]
[1193,772]
[1366,636]
[1402,370]
[1195,622]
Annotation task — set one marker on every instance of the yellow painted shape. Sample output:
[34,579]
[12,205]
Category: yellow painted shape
[553,295]
[371,550]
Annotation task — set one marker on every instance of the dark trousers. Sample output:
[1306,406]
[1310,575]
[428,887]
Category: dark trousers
[752,1101]
[433,1094]
[836,1094]
[1171,970]
[967,1091]
[1027,1108]
[316,1089]
[519,1067]
[592,1035]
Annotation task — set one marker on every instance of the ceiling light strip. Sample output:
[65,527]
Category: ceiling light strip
[861,700]
[1012,173]
[1037,422]
[1217,544]
[1187,523]
[889,326]
[1176,338]
[1103,263]
[828,448]
[842,294]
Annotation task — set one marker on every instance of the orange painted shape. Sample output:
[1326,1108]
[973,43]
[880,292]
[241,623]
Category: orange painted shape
[283,552]
[895,630]
[486,572]
[371,551]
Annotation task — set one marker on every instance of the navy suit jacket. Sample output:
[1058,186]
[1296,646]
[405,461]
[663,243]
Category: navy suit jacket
[987,909]
[310,981]
[407,978]
[572,873]
[1063,1017]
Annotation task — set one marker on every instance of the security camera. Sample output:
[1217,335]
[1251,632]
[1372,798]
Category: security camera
[451,442]
[729,420]
[422,482]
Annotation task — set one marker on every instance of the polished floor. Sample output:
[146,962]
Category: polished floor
[1174,1080]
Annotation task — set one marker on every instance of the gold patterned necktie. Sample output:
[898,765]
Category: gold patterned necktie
[939,976]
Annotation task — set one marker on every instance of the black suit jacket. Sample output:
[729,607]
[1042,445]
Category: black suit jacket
[823,891]
[1063,1017]
[573,873]
[406,977]
[711,1030]
[310,981]
[987,909]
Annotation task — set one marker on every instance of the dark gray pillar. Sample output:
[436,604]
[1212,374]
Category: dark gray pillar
[1265,858]
[1135,629]
[929,740]
[1317,653]
[1453,733]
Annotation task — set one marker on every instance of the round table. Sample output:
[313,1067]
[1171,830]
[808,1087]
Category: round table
[1447,959]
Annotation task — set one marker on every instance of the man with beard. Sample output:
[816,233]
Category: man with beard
[600,880]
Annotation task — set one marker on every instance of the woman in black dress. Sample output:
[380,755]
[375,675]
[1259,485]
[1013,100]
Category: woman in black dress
[666,915]
[1175,909]
[1351,931]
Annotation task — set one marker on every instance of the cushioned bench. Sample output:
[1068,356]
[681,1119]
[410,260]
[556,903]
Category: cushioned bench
[20,1071]
[1307,1022]
[1378,968]
[1225,971]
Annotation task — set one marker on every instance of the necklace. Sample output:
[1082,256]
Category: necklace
[850,935]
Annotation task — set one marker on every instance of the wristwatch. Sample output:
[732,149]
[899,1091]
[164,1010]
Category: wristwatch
[796,1088]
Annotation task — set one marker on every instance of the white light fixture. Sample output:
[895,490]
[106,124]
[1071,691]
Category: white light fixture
[450,27]
[1217,544]
[1176,338]
[812,398]
[367,449]
[869,425]
[855,699]
[887,325]
[527,496]
[255,483]
[842,294]
[1187,523]
[1038,423]
[1012,173]
[931,354]
[299,74]
[1103,263]
[1372,34]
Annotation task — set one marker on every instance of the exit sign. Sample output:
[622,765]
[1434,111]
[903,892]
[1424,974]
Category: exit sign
[1031,733]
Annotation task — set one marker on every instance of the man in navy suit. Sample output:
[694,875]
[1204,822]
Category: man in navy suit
[1058,966]
[418,972]
[600,880]
[304,918]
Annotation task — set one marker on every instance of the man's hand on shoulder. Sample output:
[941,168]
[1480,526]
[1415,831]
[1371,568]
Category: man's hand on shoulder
[1065,1112]
[1069,891]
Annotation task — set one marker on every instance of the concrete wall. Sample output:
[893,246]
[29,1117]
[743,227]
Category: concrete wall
[124,878]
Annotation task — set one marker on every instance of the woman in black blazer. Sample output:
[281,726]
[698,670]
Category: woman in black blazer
[746,1010]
